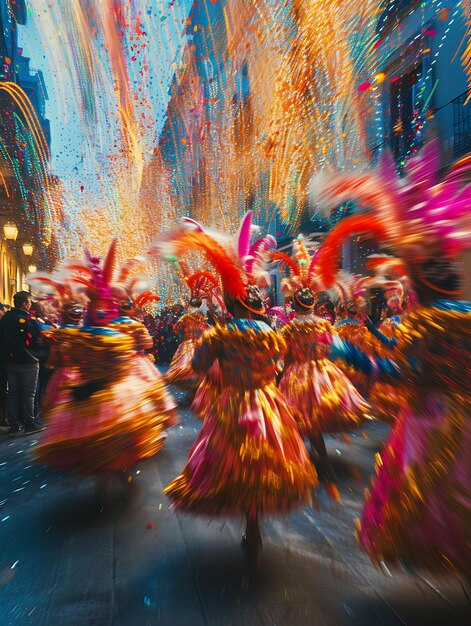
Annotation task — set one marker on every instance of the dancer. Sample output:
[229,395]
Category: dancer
[110,413]
[191,326]
[323,399]
[248,457]
[129,297]
[324,307]
[418,511]
[352,329]
[388,280]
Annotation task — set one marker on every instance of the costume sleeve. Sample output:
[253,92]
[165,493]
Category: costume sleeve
[206,352]
[386,341]
[370,365]
[36,339]
[179,327]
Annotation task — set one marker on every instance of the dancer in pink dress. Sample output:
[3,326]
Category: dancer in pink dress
[203,286]
[111,413]
[322,397]
[248,458]
[418,511]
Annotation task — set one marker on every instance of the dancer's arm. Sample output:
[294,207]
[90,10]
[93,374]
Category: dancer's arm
[203,358]
[386,341]
[351,355]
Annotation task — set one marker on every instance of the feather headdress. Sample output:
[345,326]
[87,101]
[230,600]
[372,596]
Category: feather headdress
[204,285]
[95,278]
[417,217]
[238,262]
[301,266]
[131,290]
[146,297]
[63,294]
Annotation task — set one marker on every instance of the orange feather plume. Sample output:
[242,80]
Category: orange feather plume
[286,260]
[194,278]
[328,260]
[59,287]
[145,297]
[229,272]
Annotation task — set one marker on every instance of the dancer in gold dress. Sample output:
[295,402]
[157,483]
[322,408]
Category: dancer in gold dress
[248,458]
[322,397]
[191,326]
[110,412]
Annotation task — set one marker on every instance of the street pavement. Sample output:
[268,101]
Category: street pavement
[77,552]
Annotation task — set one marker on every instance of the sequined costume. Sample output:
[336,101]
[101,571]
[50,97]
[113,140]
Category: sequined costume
[356,333]
[107,408]
[248,453]
[107,412]
[418,511]
[325,401]
[419,507]
[386,398]
[181,372]
[142,341]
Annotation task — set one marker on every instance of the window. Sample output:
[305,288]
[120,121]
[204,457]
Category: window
[404,112]
[461,125]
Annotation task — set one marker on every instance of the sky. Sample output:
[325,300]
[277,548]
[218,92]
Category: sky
[66,125]
[107,72]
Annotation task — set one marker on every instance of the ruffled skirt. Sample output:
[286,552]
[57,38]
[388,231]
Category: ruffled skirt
[248,454]
[181,372]
[112,428]
[419,508]
[208,391]
[387,400]
[322,397]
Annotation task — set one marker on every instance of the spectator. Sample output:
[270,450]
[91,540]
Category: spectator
[3,384]
[39,314]
[20,342]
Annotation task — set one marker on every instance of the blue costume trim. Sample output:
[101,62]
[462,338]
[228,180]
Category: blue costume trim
[349,320]
[390,343]
[351,355]
[460,306]
[100,330]
[244,325]
[123,319]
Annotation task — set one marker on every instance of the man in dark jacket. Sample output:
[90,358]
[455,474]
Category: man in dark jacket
[20,341]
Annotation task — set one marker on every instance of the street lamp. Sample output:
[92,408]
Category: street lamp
[28,249]
[10,231]
[32,268]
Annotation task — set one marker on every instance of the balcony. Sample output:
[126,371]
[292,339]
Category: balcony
[461,125]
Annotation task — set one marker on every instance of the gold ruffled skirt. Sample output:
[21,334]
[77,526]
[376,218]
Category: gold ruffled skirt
[248,455]
[118,424]
[322,397]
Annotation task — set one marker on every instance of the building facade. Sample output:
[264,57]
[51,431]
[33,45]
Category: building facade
[221,157]
[420,85]
[28,194]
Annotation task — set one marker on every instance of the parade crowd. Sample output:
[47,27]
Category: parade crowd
[268,382]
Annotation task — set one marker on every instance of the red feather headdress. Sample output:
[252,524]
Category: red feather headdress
[144,298]
[301,266]
[329,256]
[215,254]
